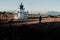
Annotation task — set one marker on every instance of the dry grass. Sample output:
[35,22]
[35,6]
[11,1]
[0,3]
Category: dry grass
[32,21]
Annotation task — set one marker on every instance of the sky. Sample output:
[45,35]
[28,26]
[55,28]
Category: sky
[31,5]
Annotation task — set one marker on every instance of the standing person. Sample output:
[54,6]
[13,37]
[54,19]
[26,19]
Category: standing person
[40,18]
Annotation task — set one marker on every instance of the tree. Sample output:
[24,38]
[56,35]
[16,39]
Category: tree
[4,12]
[0,12]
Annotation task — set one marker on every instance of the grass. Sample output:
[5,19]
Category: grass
[33,31]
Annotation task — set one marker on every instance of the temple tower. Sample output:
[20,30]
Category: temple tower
[22,13]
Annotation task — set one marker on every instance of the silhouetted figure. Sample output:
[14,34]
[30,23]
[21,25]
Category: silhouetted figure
[40,18]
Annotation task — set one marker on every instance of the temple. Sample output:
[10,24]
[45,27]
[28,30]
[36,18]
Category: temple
[22,14]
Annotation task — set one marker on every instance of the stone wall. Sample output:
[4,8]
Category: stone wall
[7,16]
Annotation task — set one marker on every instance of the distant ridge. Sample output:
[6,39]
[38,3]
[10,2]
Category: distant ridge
[53,13]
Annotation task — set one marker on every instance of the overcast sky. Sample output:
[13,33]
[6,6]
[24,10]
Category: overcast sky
[31,5]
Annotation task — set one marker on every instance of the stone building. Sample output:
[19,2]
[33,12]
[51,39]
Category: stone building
[22,14]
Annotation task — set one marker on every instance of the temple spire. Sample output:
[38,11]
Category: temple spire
[21,6]
[21,3]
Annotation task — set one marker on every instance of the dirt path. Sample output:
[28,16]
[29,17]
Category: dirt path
[36,21]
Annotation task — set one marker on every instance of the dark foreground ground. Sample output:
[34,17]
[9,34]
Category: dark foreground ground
[40,31]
